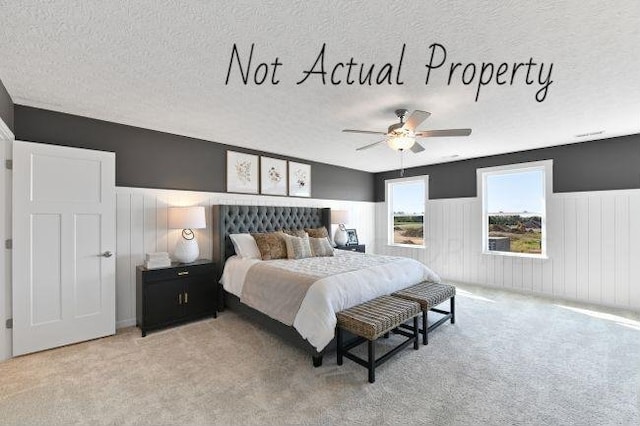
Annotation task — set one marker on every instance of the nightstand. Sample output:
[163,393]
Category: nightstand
[360,248]
[180,293]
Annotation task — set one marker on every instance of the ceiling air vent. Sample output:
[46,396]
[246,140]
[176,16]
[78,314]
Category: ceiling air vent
[584,135]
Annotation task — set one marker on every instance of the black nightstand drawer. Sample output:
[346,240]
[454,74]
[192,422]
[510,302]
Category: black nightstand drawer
[178,270]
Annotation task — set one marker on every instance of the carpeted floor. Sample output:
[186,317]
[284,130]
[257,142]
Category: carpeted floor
[509,359]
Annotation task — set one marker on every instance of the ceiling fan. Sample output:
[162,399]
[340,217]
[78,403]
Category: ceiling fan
[402,136]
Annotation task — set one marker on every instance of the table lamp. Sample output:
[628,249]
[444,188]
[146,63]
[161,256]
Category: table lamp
[340,217]
[187,219]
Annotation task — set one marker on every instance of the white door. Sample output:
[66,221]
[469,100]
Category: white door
[63,239]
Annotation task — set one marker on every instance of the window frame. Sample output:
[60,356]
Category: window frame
[389,201]
[546,166]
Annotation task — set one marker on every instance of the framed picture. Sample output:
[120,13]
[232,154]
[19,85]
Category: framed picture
[242,172]
[352,237]
[273,176]
[299,179]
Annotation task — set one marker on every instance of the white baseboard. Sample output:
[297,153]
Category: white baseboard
[125,323]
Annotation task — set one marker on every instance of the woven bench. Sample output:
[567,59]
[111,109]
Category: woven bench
[429,295]
[372,319]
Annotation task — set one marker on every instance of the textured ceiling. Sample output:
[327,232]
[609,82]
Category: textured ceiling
[162,65]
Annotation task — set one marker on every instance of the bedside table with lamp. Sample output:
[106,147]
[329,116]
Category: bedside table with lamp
[184,291]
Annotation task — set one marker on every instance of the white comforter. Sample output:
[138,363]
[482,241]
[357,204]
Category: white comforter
[345,280]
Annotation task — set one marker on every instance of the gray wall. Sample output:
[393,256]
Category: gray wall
[588,166]
[150,159]
[6,107]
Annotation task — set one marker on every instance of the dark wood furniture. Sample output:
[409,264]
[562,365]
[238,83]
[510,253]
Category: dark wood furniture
[227,219]
[175,295]
[371,320]
[429,295]
[360,248]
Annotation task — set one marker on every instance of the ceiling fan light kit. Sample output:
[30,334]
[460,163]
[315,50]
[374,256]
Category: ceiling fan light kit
[401,142]
[402,136]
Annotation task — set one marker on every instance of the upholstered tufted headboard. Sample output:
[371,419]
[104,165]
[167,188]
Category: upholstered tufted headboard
[238,219]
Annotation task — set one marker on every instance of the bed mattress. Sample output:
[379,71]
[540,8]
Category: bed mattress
[335,283]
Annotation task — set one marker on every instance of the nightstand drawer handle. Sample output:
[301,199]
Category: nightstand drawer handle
[180,299]
[186,297]
[183,273]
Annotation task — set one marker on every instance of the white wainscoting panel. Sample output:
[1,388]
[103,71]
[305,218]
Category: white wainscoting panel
[593,241]
[141,227]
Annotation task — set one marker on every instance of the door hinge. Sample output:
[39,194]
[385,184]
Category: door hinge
[9,323]
[8,164]
[8,244]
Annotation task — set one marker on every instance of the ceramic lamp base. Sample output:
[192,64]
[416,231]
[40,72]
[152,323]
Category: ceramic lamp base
[340,237]
[186,251]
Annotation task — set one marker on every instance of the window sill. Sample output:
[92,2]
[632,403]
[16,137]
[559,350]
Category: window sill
[512,254]
[414,246]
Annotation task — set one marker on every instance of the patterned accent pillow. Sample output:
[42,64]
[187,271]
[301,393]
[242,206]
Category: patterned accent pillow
[320,233]
[295,232]
[317,232]
[320,247]
[297,248]
[271,245]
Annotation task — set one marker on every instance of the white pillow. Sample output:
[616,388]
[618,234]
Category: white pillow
[245,246]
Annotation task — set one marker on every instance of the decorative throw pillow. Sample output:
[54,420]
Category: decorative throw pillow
[295,232]
[321,247]
[320,233]
[297,247]
[271,245]
[245,246]
[317,232]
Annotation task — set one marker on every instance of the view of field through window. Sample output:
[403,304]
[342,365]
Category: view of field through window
[408,212]
[515,205]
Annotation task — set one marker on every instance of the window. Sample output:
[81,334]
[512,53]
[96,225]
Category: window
[514,208]
[406,200]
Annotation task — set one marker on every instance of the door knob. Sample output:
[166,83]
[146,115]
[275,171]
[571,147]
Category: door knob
[107,254]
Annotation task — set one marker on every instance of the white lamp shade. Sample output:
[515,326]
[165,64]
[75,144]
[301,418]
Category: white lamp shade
[187,217]
[340,216]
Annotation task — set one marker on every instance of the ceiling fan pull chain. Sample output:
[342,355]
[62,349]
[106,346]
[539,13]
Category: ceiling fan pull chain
[402,163]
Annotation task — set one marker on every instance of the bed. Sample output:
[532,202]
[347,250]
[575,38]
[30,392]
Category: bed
[333,283]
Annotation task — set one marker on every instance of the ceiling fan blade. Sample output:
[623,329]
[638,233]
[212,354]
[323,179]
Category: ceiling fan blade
[443,133]
[416,147]
[371,145]
[415,119]
[370,132]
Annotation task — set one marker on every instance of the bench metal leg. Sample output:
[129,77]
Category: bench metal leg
[416,345]
[317,360]
[425,329]
[452,305]
[372,361]
[339,345]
